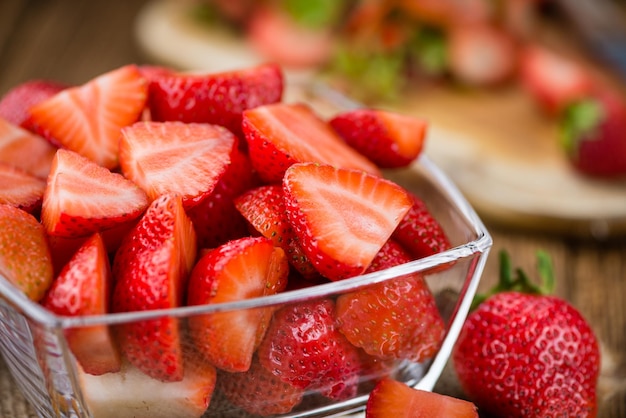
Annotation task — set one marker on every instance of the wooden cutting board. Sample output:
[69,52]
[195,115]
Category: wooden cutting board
[495,145]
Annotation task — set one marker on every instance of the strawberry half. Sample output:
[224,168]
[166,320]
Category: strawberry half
[174,157]
[215,98]
[342,217]
[264,208]
[388,139]
[304,348]
[20,189]
[24,254]
[420,232]
[394,319]
[82,197]
[553,80]
[87,119]
[84,288]
[258,391]
[150,272]
[391,398]
[25,150]
[282,134]
[15,104]
[237,270]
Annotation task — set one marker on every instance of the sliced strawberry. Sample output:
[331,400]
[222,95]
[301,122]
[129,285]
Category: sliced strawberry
[237,270]
[24,254]
[87,119]
[391,398]
[15,104]
[150,271]
[258,391]
[388,139]
[481,55]
[215,218]
[216,98]
[394,319]
[84,288]
[174,157]
[283,134]
[278,37]
[25,150]
[304,348]
[21,189]
[553,80]
[420,232]
[82,197]
[594,135]
[264,208]
[131,393]
[342,217]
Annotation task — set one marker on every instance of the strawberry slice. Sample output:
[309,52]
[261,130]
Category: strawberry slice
[391,398]
[420,232]
[83,288]
[174,157]
[130,393]
[20,189]
[342,217]
[15,104]
[264,208]
[25,150]
[82,197]
[304,348]
[394,319]
[282,134]
[388,139]
[215,218]
[24,254]
[216,98]
[237,270]
[553,80]
[87,119]
[258,391]
[481,54]
[150,271]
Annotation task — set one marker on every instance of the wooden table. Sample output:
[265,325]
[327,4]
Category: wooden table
[72,41]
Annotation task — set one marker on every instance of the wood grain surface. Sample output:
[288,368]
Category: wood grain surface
[72,41]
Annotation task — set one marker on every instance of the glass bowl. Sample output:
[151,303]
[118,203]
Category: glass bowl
[34,342]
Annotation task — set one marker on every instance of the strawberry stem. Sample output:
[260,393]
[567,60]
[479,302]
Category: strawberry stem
[520,282]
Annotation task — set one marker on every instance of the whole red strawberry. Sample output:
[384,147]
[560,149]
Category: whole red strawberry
[594,135]
[522,353]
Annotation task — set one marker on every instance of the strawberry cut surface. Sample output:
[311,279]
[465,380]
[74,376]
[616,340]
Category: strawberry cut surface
[82,197]
[282,134]
[240,269]
[20,189]
[87,119]
[25,150]
[342,217]
[84,288]
[174,157]
[391,398]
